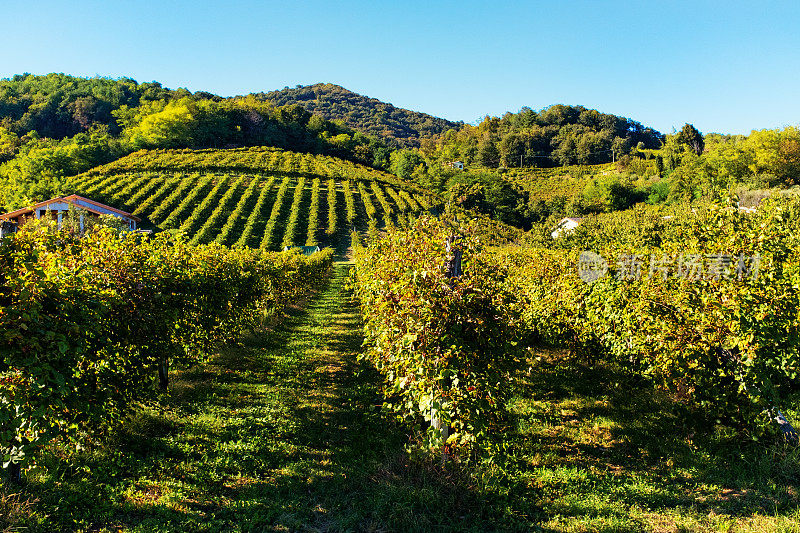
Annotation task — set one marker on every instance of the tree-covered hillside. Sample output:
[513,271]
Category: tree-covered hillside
[555,135]
[56,126]
[59,105]
[363,113]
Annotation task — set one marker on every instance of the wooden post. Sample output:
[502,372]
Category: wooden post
[15,473]
[163,374]
[436,423]
[452,267]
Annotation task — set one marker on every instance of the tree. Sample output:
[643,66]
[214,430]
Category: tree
[488,154]
[9,144]
[512,150]
[660,165]
[608,193]
[404,162]
[620,147]
[692,138]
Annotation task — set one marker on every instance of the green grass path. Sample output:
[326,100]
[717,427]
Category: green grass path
[281,433]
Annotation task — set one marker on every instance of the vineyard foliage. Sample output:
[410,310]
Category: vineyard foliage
[444,345]
[549,183]
[90,324]
[258,197]
[703,305]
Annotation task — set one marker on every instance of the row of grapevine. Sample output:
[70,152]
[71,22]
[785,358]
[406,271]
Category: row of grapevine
[445,346]
[238,212]
[313,215]
[155,197]
[184,185]
[202,213]
[245,160]
[154,185]
[399,201]
[350,203]
[99,185]
[290,234]
[423,200]
[126,188]
[197,216]
[256,214]
[203,235]
[91,324]
[705,306]
[146,189]
[413,205]
[714,318]
[112,188]
[369,207]
[387,209]
[202,186]
[332,213]
[267,241]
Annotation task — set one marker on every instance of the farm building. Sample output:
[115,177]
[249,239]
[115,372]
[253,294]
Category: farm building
[57,209]
[566,225]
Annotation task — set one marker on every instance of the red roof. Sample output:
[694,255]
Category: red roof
[71,199]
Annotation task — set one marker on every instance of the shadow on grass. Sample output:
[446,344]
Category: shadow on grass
[593,442]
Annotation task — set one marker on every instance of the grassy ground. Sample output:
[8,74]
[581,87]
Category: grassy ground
[283,433]
[600,451]
[280,434]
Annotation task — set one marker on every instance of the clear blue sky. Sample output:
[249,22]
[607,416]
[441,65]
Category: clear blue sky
[723,66]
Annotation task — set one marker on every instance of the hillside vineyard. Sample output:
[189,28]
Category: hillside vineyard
[257,197]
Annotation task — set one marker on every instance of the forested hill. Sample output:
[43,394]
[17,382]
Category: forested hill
[554,136]
[363,113]
[60,105]
[56,125]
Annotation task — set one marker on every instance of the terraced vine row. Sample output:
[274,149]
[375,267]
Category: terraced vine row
[242,196]
[268,239]
[294,215]
[332,214]
[256,214]
[313,214]
[238,213]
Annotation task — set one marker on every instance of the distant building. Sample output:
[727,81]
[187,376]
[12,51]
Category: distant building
[458,165]
[57,208]
[566,225]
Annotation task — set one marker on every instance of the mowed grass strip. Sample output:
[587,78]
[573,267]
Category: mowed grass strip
[282,433]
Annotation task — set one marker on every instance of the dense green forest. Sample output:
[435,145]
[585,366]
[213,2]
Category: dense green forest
[555,135]
[400,126]
[56,125]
